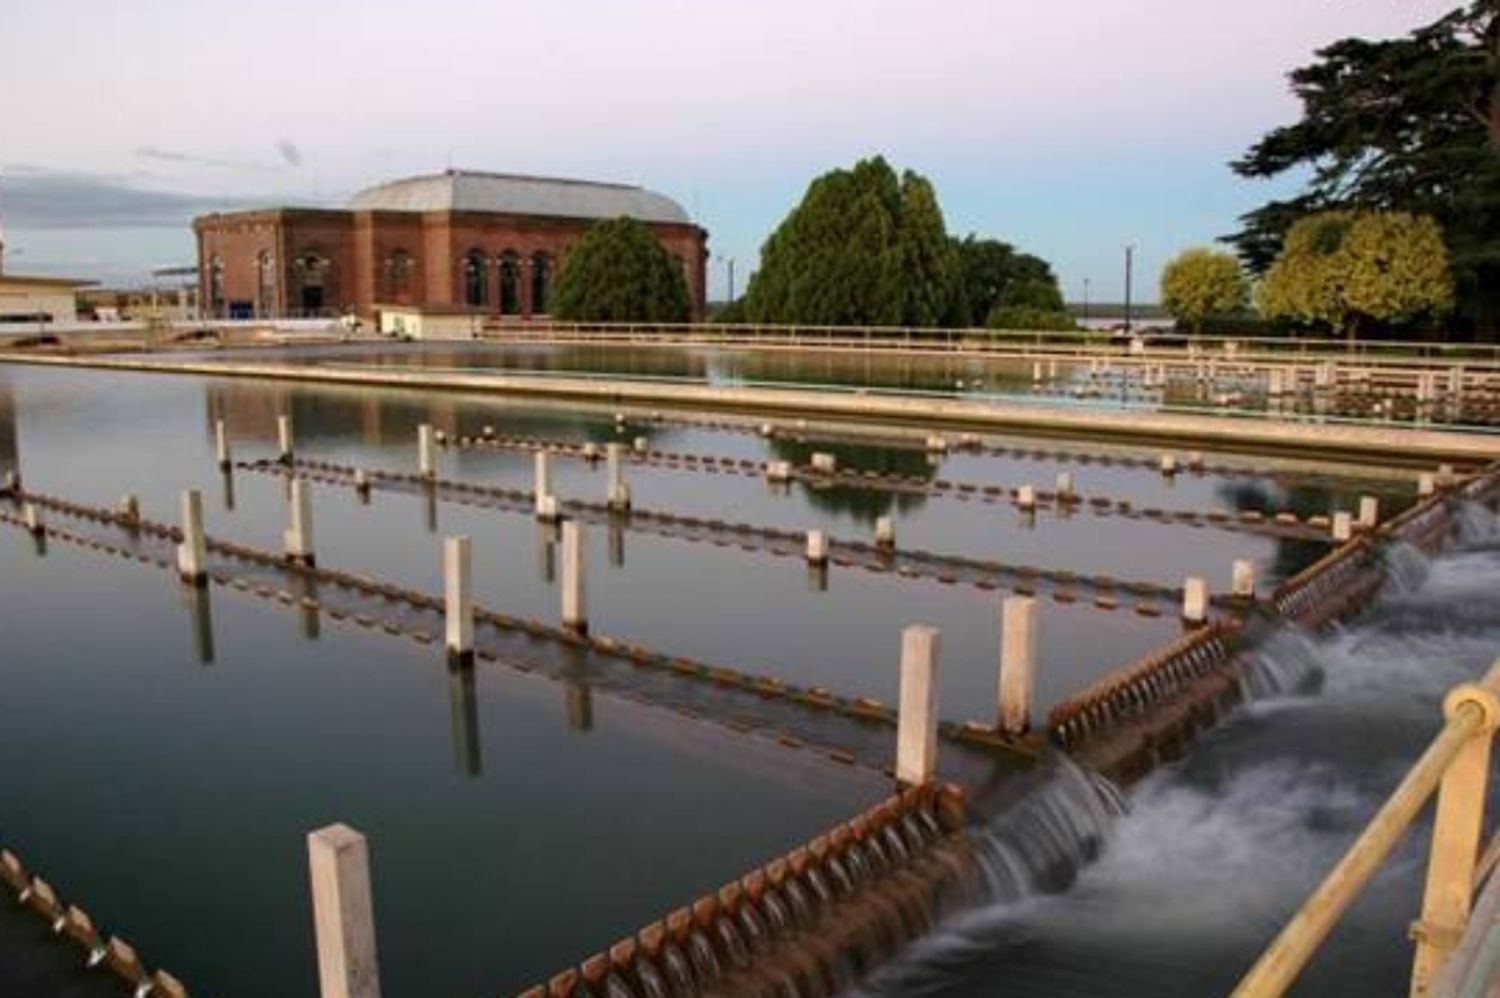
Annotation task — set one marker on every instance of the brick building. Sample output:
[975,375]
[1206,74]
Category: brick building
[482,243]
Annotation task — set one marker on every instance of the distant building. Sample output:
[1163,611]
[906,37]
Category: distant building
[485,245]
[30,299]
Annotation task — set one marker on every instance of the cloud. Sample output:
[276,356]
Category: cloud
[41,199]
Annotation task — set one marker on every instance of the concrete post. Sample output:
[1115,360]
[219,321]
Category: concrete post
[824,463]
[426,452]
[284,437]
[1369,512]
[31,514]
[458,599]
[543,486]
[1343,526]
[574,592]
[1064,485]
[1426,484]
[1168,465]
[362,483]
[297,540]
[1026,497]
[12,485]
[129,508]
[1194,600]
[885,533]
[916,734]
[618,497]
[778,471]
[1017,663]
[642,445]
[221,445]
[817,547]
[192,553]
[343,913]
[1242,583]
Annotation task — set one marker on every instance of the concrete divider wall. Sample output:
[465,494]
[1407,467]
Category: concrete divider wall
[808,923]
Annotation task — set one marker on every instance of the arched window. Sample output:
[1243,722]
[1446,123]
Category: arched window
[510,284]
[312,272]
[541,279]
[216,285]
[476,273]
[398,268]
[265,284]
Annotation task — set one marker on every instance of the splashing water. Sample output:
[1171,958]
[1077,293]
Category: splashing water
[1406,567]
[1218,850]
[1477,524]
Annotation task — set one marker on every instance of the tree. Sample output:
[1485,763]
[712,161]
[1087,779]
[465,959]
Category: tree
[1345,269]
[1200,282]
[618,272]
[1410,125]
[864,247]
[991,273]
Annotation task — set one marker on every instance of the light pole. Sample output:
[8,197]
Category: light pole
[1085,303]
[1129,264]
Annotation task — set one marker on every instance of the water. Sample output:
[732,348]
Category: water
[1215,853]
[517,823]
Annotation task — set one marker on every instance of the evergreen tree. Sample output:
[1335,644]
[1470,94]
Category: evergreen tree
[991,273]
[618,272]
[864,247]
[1406,125]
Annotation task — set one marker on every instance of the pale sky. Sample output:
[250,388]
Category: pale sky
[1069,127]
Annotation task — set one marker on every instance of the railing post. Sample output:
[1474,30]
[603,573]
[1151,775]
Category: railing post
[1455,851]
[343,913]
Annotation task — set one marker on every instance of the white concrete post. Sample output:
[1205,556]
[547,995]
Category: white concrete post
[1194,600]
[574,593]
[338,861]
[1064,485]
[1426,484]
[543,485]
[284,436]
[642,445]
[1026,497]
[297,540]
[824,463]
[1168,464]
[917,723]
[361,481]
[1343,526]
[130,508]
[817,547]
[426,452]
[192,553]
[1242,582]
[1017,662]
[778,471]
[885,532]
[31,515]
[1369,512]
[618,496]
[12,481]
[221,445]
[458,595]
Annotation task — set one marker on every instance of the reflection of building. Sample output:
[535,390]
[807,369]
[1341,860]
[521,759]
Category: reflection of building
[489,244]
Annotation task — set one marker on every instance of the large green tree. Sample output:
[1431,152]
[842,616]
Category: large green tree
[1200,282]
[992,274]
[1410,124]
[864,247]
[618,272]
[1348,270]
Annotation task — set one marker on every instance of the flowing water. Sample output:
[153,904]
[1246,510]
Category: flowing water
[1210,856]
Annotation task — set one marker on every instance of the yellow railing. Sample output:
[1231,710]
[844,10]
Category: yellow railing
[1456,765]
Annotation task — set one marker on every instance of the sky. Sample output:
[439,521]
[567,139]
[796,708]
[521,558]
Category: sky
[1069,128]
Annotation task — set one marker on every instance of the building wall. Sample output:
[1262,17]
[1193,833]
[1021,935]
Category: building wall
[18,299]
[356,259]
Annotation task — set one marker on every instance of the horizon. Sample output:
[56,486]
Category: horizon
[729,111]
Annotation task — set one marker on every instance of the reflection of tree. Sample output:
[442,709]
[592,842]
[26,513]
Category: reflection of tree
[863,503]
[8,450]
[1305,499]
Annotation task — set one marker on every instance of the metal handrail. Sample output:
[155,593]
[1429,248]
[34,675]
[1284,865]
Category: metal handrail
[1456,765]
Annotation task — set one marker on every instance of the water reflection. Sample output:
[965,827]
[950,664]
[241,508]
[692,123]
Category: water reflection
[864,504]
[304,589]
[547,538]
[226,490]
[580,698]
[464,706]
[616,542]
[200,607]
[10,454]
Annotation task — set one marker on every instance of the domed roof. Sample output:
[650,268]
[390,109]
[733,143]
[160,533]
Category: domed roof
[462,190]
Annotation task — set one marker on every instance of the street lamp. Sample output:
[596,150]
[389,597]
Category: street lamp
[1085,303]
[1129,265]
